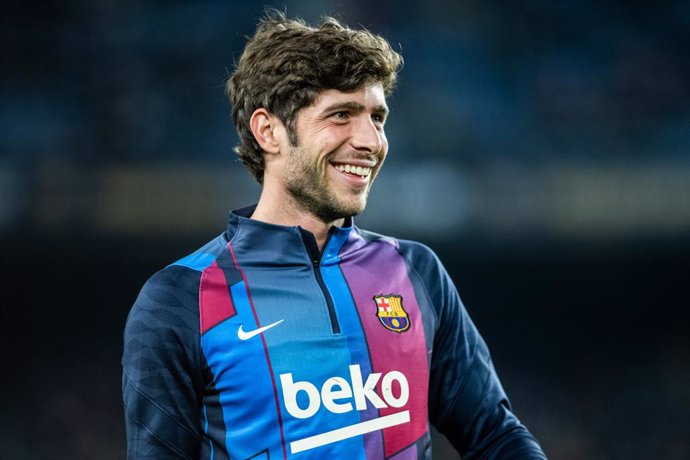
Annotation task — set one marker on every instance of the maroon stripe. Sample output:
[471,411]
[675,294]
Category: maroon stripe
[215,302]
[392,351]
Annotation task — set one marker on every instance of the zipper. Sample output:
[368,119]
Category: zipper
[315,257]
[335,326]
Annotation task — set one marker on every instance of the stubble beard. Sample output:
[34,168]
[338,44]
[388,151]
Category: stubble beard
[311,191]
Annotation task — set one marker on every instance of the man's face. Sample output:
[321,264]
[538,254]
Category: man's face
[341,147]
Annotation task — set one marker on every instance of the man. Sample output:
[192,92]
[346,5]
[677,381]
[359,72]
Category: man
[295,333]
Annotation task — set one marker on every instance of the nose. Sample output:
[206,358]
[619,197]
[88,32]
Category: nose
[366,136]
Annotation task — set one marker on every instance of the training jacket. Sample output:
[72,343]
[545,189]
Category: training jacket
[259,346]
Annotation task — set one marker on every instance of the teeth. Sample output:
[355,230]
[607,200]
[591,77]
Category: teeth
[352,169]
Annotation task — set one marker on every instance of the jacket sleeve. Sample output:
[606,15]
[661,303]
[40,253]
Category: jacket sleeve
[162,379]
[466,400]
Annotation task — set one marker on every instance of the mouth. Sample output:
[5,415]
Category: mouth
[362,172]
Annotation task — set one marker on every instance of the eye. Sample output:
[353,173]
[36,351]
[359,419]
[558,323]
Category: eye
[378,118]
[342,115]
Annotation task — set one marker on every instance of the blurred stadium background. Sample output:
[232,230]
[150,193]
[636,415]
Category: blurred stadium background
[542,148]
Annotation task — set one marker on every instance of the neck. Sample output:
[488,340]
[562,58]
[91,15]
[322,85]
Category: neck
[287,212]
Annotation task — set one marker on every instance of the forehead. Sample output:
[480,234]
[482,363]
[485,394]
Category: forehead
[371,97]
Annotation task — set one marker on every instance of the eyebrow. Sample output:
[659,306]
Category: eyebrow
[356,107]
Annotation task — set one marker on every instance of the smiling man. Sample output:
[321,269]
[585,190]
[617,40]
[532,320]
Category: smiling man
[296,334]
[325,174]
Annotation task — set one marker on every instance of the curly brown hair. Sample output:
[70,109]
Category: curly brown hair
[287,63]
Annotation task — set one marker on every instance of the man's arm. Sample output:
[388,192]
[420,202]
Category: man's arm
[162,378]
[466,400]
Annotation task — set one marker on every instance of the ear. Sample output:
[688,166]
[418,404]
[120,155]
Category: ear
[265,126]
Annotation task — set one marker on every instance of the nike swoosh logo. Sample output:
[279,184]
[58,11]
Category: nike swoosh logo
[246,335]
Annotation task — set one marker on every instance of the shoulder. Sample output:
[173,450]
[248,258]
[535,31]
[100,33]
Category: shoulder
[419,252]
[171,296]
[423,265]
[405,246]
[415,253]
[203,257]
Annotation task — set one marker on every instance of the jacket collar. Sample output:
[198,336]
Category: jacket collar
[262,244]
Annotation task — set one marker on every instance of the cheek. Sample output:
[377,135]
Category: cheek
[332,139]
[384,146]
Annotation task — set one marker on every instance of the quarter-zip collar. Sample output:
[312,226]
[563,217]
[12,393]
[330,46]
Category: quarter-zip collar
[279,245]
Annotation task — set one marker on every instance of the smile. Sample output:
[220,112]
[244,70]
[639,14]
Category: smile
[361,171]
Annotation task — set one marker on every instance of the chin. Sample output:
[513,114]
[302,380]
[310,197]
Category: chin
[351,211]
[341,211]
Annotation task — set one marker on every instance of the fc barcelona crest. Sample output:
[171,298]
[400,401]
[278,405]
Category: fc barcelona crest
[390,311]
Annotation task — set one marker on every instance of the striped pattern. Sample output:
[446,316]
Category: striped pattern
[246,414]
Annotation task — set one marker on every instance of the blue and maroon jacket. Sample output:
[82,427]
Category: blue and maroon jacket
[259,346]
